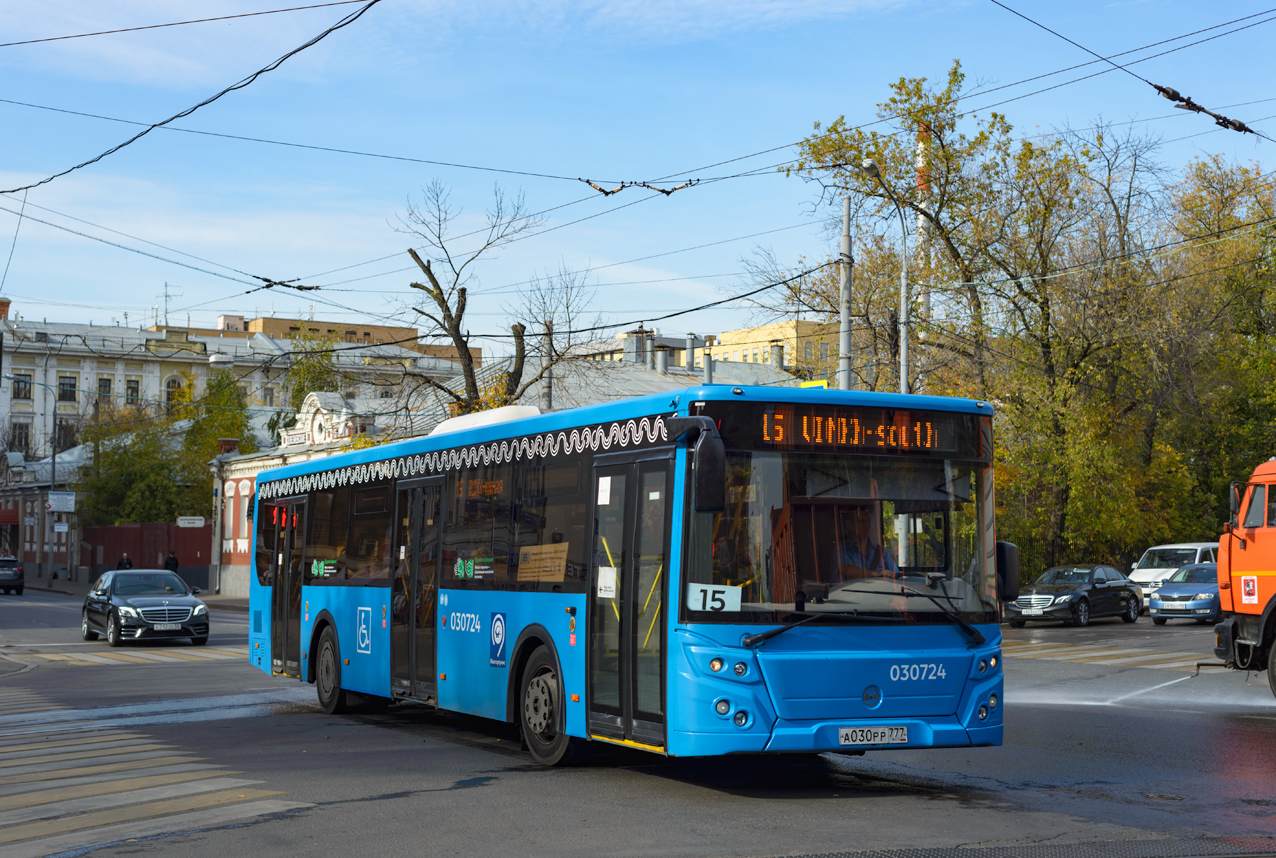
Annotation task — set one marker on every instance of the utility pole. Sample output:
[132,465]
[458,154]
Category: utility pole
[845,262]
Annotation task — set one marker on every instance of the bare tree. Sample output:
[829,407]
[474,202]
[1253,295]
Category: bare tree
[552,305]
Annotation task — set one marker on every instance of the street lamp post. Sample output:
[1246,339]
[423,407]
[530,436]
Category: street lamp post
[870,169]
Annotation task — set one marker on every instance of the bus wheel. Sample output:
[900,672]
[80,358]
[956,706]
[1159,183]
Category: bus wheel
[541,714]
[332,697]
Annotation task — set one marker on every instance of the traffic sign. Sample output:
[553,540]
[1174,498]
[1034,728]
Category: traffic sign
[190,521]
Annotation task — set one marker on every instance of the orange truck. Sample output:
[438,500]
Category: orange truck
[1246,638]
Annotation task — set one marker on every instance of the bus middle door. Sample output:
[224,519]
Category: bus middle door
[413,627]
[629,580]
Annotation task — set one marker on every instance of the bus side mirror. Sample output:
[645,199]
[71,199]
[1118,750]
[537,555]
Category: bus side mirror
[709,466]
[1007,571]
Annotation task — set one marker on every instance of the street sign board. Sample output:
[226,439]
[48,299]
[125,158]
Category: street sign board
[190,521]
[61,527]
[61,502]
[29,521]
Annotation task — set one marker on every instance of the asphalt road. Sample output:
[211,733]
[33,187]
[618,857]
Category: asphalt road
[1113,747]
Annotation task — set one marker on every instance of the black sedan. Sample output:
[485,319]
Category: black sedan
[143,604]
[1076,594]
[11,575]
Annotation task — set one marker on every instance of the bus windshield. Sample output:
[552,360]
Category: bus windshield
[864,539]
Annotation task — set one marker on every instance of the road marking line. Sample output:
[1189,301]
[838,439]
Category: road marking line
[1109,653]
[79,754]
[190,656]
[120,798]
[23,710]
[124,657]
[106,787]
[211,818]
[1157,657]
[46,828]
[89,657]
[24,744]
[57,774]
[14,789]
[21,752]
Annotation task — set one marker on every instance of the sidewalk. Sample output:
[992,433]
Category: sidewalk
[81,589]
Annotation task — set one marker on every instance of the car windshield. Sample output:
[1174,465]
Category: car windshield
[1166,558]
[861,538]
[1073,575]
[150,584]
[1194,575]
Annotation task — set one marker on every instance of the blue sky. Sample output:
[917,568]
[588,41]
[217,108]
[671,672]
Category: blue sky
[608,91]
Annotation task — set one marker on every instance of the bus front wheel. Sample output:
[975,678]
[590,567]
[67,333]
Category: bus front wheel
[541,713]
[332,697]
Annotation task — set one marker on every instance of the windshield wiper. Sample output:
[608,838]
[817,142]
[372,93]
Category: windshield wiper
[971,631]
[751,641]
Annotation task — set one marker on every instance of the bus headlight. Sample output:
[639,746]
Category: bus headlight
[741,718]
[741,668]
[992,662]
[716,665]
[992,701]
[983,713]
[723,707]
[983,665]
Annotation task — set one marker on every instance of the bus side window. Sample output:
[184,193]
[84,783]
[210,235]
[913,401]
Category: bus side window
[1257,507]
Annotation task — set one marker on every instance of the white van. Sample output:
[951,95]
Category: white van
[1161,561]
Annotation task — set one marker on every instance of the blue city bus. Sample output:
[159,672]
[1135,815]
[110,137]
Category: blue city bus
[709,571]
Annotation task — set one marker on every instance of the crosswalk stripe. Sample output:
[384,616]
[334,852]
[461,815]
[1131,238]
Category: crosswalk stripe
[115,751]
[86,656]
[25,744]
[45,828]
[97,776]
[123,755]
[28,752]
[23,710]
[91,804]
[127,657]
[131,765]
[104,787]
[1105,654]
[210,818]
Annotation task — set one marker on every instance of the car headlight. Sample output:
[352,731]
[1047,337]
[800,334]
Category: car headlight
[1203,596]
[126,611]
[1059,600]
[200,610]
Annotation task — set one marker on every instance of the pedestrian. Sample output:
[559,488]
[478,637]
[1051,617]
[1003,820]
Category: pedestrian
[125,562]
[170,563]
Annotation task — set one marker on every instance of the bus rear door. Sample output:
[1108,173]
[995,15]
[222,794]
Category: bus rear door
[285,645]
[632,514]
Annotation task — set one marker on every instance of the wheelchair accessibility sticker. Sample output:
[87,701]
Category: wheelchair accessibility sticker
[363,630]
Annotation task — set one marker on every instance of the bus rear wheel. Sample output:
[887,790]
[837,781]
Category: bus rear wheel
[332,697]
[541,713]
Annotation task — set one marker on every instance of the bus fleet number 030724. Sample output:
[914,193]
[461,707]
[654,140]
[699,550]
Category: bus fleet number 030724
[917,672]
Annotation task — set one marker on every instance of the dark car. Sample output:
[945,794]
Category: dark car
[1076,594]
[11,576]
[1191,593]
[143,604]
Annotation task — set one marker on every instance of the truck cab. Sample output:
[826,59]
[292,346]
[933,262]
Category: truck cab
[1246,638]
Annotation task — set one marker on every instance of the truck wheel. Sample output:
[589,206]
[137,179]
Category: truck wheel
[1271,666]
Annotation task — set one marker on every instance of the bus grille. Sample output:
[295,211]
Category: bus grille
[166,615]
[1034,601]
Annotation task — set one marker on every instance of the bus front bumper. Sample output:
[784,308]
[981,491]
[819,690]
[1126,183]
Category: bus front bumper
[789,737]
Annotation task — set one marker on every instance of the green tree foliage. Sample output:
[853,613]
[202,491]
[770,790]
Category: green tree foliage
[1120,317]
[151,464]
[313,369]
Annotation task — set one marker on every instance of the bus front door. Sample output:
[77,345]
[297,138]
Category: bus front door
[630,573]
[285,648]
[412,630]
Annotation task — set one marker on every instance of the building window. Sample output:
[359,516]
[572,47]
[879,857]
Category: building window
[172,388]
[132,391]
[735,356]
[20,438]
[268,396]
[807,351]
[64,435]
[755,355]
[824,351]
[22,385]
[104,387]
[66,388]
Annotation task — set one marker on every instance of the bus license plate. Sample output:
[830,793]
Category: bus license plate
[872,736]
[166,627]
